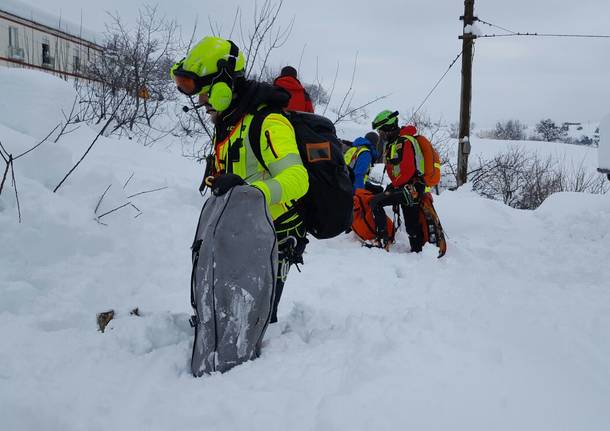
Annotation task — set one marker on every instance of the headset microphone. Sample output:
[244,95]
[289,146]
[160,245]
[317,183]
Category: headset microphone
[195,107]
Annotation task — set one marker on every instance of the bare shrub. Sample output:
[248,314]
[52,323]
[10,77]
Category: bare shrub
[524,180]
[503,177]
[135,63]
[543,178]
[579,179]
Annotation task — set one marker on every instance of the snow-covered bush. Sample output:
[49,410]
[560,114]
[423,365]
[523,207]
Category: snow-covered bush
[512,130]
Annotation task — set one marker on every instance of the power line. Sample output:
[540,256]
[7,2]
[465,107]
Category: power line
[597,36]
[437,83]
[494,25]
[535,34]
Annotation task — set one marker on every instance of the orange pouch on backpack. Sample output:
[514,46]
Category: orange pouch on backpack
[364,222]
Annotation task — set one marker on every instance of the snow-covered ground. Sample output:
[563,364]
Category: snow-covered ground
[572,156]
[509,331]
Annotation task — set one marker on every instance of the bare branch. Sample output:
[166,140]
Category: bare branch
[15,186]
[2,152]
[38,144]
[351,85]
[332,88]
[265,36]
[69,120]
[128,180]
[8,165]
[214,28]
[99,202]
[113,210]
[235,18]
[341,117]
[192,38]
[301,56]
[100,133]
[147,191]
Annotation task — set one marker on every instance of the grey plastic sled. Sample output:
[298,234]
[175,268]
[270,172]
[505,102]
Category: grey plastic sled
[233,279]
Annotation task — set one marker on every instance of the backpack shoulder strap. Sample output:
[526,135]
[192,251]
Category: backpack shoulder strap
[254,133]
[359,151]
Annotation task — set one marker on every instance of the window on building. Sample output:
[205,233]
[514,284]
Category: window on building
[76,63]
[13,37]
[46,53]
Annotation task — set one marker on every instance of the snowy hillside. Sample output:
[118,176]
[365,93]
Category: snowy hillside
[509,331]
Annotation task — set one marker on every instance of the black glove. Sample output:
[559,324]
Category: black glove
[420,187]
[226,182]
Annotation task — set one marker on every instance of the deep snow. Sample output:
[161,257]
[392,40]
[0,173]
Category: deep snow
[510,330]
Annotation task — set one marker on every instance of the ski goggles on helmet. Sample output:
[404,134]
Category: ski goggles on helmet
[189,83]
[387,123]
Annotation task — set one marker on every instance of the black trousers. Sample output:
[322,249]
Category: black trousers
[291,245]
[373,188]
[410,211]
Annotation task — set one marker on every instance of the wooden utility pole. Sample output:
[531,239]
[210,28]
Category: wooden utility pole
[464,136]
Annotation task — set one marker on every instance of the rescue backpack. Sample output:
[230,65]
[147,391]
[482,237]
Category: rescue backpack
[364,221]
[427,155]
[327,208]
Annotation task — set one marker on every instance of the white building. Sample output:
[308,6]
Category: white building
[34,39]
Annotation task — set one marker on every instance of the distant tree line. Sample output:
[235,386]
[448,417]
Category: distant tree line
[545,130]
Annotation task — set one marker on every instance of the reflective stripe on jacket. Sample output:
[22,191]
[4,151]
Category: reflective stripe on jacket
[419,156]
[351,155]
[361,166]
[287,179]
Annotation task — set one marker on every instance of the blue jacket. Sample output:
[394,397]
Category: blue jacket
[364,162]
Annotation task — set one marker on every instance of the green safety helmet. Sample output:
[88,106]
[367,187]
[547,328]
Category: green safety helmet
[385,118]
[210,67]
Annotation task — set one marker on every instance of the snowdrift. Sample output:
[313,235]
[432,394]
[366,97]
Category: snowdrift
[508,331]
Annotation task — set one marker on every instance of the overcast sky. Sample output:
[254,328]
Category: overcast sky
[404,47]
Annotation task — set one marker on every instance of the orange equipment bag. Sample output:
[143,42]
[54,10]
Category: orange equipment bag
[364,222]
[432,161]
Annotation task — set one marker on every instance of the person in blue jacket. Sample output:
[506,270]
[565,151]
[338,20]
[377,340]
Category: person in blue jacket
[360,158]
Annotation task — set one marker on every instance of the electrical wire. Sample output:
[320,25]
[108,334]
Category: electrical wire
[437,84]
[494,25]
[535,34]
[596,36]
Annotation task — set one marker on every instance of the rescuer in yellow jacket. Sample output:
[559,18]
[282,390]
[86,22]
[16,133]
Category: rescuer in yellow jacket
[214,70]
[361,157]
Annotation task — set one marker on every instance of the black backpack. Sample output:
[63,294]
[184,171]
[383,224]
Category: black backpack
[327,208]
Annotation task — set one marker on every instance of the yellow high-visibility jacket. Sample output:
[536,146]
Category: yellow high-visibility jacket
[287,179]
